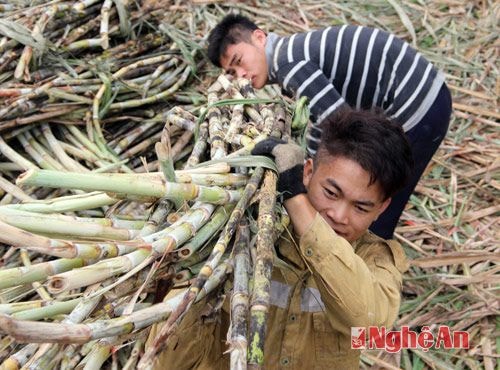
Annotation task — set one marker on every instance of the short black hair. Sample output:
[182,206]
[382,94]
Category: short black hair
[371,139]
[232,29]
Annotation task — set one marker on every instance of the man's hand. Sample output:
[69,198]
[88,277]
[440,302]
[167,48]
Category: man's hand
[289,160]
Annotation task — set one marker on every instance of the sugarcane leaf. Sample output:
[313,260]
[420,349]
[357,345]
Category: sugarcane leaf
[300,114]
[21,34]
[186,46]
[123,16]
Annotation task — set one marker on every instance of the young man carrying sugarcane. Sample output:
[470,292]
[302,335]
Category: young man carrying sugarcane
[338,275]
[350,65]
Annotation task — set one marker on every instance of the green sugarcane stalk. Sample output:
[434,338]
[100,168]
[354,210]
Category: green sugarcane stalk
[42,332]
[62,248]
[37,272]
[177,234]
[217,220]
[239,298]
[16,192]
[36,285]
[153,78]
[69,163]
[62,227]
[259,303]
[135,185]
[96,358]
[70,203]
[13,156]
[40,160]
[49,310]
[206,271]
[157,217]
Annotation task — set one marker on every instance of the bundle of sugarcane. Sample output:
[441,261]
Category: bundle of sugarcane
[95,278]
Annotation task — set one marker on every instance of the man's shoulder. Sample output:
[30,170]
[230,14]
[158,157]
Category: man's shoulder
[372,245]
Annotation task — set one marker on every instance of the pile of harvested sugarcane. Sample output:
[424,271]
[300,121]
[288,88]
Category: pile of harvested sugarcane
[90,264]
[121,185]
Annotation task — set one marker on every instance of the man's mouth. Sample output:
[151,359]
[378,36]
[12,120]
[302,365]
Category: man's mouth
[340,233]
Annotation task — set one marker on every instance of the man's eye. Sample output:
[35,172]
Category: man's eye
[361,209]
[330,194]
[238,62]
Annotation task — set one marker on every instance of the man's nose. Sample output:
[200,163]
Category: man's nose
[339,213]
[240,72]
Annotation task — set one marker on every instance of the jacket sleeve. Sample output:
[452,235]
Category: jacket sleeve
[357,289]
[305,78]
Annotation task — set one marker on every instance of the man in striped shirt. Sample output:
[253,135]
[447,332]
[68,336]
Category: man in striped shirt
[339,67]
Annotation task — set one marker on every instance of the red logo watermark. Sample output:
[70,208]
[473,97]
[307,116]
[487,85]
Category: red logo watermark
[393,341]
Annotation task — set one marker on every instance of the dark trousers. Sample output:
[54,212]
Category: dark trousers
[424,139]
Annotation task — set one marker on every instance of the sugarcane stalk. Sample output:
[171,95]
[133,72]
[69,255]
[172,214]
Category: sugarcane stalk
[42,332]
[259,303]
[217,220]
[82,4]
[215,280]
[213,260]
[15,293]
[48,310]
[15,157]
[199,147]
[10,188]
[36,285]
[62,227]
[18,359]
[67,204]
[42,160]
[154,76]
[215,128]
[158,216]
[106,6]
[236,122]
[59,152]
[239,298]
[177,234]
[61,248]
[134,185]
[96,358]
[155,98]
[134,354]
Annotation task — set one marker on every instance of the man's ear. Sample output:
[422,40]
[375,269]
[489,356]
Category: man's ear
[384,206]
[308,172]
[259,37]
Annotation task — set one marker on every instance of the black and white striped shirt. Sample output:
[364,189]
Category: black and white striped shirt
[361,66]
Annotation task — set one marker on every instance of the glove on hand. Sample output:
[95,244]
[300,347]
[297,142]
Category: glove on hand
[289,160]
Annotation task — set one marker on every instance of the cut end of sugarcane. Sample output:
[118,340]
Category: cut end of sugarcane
[22,178]
[57,285]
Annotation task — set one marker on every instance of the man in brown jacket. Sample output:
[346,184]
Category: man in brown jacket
[339,275]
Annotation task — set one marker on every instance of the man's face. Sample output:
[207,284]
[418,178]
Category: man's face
[338,189]
[248,60]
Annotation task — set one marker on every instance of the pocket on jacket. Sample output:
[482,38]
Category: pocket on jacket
[326,340]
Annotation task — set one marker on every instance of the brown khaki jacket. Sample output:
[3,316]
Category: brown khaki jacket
[326,287]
